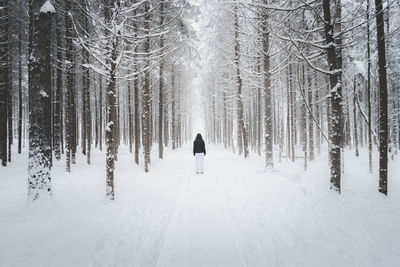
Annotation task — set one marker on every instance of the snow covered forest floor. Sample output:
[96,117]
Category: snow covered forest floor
[233,215]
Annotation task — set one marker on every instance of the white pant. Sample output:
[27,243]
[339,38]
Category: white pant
[199,162]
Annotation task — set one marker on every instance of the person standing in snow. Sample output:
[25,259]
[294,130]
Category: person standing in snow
[199,151]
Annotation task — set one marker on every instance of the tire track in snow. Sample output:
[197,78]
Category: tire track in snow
[199,232]
[173,215]
[229,220]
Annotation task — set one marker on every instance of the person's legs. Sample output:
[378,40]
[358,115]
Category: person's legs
[197,158]
[201,162]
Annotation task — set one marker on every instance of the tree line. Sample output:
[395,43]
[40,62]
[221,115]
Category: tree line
[297,75]
[92,73]
[282,78]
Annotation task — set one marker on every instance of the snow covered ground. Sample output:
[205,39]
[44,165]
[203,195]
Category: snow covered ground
[233,215]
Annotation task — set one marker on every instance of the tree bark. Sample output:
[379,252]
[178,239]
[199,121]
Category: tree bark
[4,78]
[241,127]
[269,162]
[336,100]
[383,100]
[39,179]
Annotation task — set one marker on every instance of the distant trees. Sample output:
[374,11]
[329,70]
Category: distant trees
[313,63]
[285,75]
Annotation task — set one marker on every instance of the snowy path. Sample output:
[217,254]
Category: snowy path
[200,232]
[233,215]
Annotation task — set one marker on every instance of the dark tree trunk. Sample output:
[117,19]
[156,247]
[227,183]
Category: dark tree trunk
[39,179]
[269,162]
[88,112]
[100,113]
[383,100]
[20,90]
[310,117]
[161,92]
[130,117]
[4,78]
[336,101]
[146,94]
[70,85]
[58,95]
[173,119]
[137,118]
[242,135]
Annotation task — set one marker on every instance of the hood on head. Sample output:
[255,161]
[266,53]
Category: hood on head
[199,137]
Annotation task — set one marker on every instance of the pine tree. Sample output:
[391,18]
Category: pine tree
[39,179]
[383,99]
[4,78]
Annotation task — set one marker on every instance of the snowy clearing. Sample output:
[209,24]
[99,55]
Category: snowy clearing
[233,215]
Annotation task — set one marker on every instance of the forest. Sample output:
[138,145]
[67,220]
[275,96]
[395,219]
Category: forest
[98,96]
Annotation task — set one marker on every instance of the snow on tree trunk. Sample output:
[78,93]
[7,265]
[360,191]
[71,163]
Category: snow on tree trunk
[39,179]
[146,93]
[269,163]
[383,100]
[242,135]
[336,101]
[161,88]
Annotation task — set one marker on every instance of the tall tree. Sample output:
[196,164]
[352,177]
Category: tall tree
[161,89]
[242,136]
[4,78]
[39,179]
[146,93]
[383,99]
[269,163]
[335,98]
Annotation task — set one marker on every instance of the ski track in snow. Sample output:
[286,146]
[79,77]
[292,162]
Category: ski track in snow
[235,214]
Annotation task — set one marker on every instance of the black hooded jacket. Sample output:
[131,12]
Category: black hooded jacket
[198,145]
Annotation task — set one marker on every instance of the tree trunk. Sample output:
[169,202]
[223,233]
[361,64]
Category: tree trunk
[146,94]
[355,95]
[20,90]
[304,119]
[269,162]
[173,119]
[336,100]
[4,78]
[161,92]
[310,117]
[100,113]
[39,179]
[58,95]
[241,128]
[383,100]
[69,86]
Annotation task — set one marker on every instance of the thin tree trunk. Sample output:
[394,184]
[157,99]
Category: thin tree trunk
[241,128]
[69,85]
[310,117]
[100,113]
[20,90]
[146,94]
[161,92]
[355,95]
[269,162]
